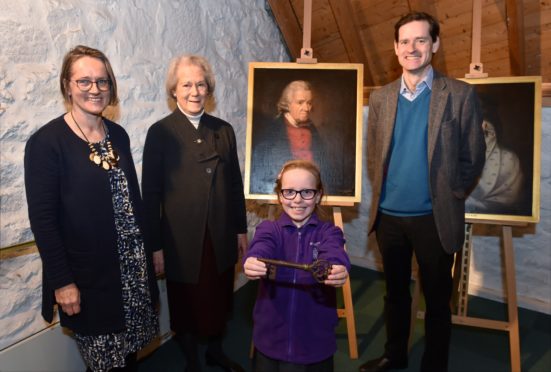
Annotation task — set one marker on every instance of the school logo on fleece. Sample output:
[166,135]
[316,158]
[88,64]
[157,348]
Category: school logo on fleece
[315,251]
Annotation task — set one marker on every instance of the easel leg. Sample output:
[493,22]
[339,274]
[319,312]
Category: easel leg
[514,340]
[348,311]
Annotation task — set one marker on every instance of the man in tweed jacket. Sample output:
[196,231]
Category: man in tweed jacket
[425,150]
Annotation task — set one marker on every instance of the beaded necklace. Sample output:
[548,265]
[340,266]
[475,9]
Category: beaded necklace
[105,161]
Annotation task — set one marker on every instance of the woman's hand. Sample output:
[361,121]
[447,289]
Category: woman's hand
[68,298]
[337,277]
[159,262]
[254,269]
[242,244]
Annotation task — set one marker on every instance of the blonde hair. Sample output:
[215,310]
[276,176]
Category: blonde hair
[300,164]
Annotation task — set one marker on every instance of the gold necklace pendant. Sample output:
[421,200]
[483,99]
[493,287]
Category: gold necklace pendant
[107,162]
[105,165]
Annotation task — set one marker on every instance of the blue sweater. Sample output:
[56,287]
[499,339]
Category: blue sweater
[406,190]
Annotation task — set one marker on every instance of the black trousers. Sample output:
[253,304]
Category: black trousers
[398,238]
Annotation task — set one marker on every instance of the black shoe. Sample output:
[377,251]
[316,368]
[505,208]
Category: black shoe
[381,364]
[222,361]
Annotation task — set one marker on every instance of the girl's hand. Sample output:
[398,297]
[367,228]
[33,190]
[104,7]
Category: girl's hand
[254,269]
[337,277]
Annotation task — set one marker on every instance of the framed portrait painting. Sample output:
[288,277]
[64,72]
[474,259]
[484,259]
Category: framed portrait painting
[508,189]
[305,111]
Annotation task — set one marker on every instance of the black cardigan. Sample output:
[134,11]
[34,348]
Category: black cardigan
[71,215]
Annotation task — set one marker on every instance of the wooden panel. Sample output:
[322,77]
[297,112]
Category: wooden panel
[343,30]
[346,21]
[537,29]
[288,24]
[331,50]
[323,21]
[515,20]
[374,12]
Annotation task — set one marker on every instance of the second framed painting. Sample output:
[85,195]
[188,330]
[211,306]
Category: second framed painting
[305,111]
[508,190]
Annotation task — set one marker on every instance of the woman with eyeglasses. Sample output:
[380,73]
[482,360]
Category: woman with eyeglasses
[86,215]
[295,315]
[195,208]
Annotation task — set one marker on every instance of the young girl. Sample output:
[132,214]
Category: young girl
[295,316]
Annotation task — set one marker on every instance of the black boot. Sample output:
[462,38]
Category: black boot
[188,344]
[214,356]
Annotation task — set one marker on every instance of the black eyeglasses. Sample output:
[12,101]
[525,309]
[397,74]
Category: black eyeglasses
[85,85]
[306,194]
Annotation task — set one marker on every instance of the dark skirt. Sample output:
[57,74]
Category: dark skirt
[202,308]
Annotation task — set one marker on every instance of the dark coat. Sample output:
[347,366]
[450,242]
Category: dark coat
[456,150]
[72,218]
[191,181]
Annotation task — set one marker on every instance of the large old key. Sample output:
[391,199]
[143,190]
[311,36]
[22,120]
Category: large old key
[319,269]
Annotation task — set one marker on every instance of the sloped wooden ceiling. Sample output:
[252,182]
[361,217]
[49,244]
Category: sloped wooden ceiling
[516,34]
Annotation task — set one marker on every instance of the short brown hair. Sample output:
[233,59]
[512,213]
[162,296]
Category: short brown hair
[434,26]
[74,55]
[188,59]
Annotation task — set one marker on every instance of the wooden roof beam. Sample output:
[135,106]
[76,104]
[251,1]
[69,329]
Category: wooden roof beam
[346,22]
[514,14]
[289,25]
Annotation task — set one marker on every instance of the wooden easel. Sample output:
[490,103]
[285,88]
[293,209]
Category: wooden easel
[461,291]
[463,258]
[347,311]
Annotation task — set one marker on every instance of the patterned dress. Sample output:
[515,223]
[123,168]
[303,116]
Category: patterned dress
[107,351]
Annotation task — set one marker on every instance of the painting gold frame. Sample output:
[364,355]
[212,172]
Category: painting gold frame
[508,190]
[336,120]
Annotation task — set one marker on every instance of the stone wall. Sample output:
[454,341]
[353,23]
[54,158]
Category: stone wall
[140,37]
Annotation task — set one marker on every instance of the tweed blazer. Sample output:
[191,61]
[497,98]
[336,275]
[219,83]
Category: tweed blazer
[455,151]
[191,182]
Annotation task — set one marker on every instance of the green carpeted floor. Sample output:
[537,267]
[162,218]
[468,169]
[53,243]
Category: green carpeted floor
[472,349]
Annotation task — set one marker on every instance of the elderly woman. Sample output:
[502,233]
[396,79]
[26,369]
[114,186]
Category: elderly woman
[85,213]
[195,208]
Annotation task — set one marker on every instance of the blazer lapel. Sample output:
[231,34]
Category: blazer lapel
[438,105]
[391,104]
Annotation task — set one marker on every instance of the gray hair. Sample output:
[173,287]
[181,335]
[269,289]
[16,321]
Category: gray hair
[188,59]
[285,99]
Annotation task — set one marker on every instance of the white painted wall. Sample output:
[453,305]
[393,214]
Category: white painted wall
[140,37]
